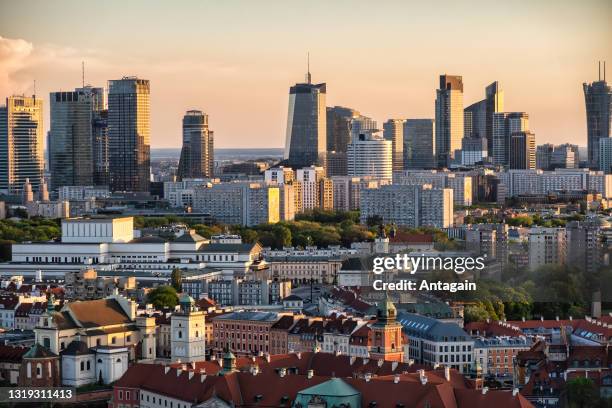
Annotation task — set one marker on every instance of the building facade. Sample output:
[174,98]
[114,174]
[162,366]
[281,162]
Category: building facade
[197,154]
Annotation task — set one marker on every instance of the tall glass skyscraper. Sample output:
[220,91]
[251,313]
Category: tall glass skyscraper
[504,125]
[71,137]
[393,130]
[306,138]
[129,134]
[478,117]
[197,154]
[598,101]
[449,118]
[21,143]
[419,144]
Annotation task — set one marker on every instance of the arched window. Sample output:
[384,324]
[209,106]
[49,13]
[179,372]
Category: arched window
[88,365]
[118,360]
[38,370]
[29,370]
[180,334]
[82,365]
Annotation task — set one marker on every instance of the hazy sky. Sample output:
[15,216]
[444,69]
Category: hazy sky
[236,60]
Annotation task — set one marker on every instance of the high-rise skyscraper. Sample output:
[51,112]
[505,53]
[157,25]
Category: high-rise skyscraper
[478,117]
[449,118]
[306,138]
[197,155]
[419,144]
[598,101]
[339,121]
[393,130]
[21,143]
[129,134]
[522,150]
[504,125]
[100,148]
[370,155]
[71,138]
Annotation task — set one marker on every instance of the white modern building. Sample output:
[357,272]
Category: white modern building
[370,155]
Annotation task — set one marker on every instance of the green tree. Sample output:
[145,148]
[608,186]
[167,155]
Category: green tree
[581,392]
[163,297]
[176,279]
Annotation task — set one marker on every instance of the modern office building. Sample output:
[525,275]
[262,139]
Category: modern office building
[197,154]
[449,118]
[306,137]
[129,134]
[523,150]
[393,130]
[598,102]
[478,117]
[339,120]
[473,150]
[544,154]
[100,148]
[419,144]
[370,155]
[550,157]
[504,126]
[71,137]
[605,155]
[21,143]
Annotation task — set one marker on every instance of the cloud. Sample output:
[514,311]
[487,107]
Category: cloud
[15,56]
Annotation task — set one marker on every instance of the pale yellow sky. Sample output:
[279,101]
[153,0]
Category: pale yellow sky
[235,60]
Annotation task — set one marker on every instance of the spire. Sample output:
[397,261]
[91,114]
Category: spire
[308,76]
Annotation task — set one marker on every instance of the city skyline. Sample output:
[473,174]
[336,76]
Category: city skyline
[212,66]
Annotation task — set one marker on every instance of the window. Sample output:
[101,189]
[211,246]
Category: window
[88,365]
[38,370]
[82,366]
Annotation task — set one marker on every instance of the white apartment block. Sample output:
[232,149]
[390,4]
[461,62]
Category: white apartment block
[520,182]
[72,193]
[370,155]
[547,246]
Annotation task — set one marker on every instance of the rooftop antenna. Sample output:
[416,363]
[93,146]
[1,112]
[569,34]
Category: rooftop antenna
[83,73]
[604,71]
[308,76]
[599,66]
[34,89]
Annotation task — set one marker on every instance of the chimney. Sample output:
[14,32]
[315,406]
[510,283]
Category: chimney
[183,367]
[267,356]
[166,369]
[254,369]
[310,374]
[557,318]
[436,366]
[191,373]
[485,390]
[367,377]
[213,357]
[410,362]
[202,378]
[299,355]
[515,392]
[282,372]
[394,365]
[352,360]
[178,372]
[396,378]
[380,362]
[366,361]
[447,373]
[541,318]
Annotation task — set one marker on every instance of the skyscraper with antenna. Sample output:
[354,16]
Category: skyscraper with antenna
[306,137]
[598,103]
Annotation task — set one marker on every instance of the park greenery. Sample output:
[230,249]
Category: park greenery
[163,297]
[551,291]
[24,230]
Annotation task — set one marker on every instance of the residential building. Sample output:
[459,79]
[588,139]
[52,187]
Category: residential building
[408,205]
[449,118]
[301,269]
[496,356]
[314,190]
[129,134]
[21,143]
[197,155]
[370,155]
[243,333]
[547,246]
[239,203]
[419,144]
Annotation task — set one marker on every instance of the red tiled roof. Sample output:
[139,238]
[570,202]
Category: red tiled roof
[12,354]
[492,328]
[408,238]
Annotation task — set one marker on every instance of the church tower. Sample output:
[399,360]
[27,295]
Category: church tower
[386,333]
[187,332]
